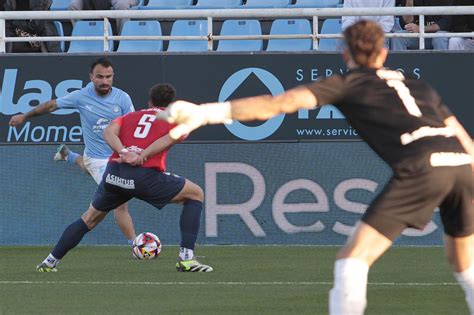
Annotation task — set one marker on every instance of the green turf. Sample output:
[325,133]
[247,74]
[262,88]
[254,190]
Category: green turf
[246,280]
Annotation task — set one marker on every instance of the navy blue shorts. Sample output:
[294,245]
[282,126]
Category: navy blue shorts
[122,182]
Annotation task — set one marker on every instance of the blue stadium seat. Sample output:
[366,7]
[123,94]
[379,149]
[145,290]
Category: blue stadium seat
[240,27]
[206,4]
[188,28]
[166,4]
[316,3]
[59,5]
[60,30]
[143,28]
[89,28]
[330,26]
[267,3]
[284,27]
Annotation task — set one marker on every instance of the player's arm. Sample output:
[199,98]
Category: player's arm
[111,136]
[266,106]
[158,146]
[47,107]
[190,116]
[251,108]
[462,135]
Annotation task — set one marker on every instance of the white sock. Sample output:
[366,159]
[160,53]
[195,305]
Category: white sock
[186,253]
[51,261]
[466,280]
[349,294]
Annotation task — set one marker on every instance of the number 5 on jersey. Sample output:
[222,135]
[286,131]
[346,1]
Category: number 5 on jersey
[144,125]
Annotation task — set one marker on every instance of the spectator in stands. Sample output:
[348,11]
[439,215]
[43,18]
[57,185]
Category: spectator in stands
[433,24]
[385,21]
[462,23]
[31,28]
[104,5]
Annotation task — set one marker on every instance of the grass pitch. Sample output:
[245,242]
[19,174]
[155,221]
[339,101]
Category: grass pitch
[245,280]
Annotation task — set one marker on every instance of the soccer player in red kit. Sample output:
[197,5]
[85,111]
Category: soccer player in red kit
[137,169]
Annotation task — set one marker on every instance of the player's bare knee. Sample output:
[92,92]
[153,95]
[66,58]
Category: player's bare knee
[198,193]
[191,191]
[123,208]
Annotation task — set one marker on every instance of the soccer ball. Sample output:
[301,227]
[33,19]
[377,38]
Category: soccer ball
[146,246]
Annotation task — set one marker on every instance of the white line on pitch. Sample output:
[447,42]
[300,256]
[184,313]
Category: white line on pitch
[401,284]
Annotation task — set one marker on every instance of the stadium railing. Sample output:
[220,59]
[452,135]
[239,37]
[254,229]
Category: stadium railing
[310,13]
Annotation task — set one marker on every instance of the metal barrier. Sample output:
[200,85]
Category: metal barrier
[313,14]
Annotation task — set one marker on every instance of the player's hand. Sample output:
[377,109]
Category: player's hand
[181,112]
[130,157]
[189,116]
[17,120]
[180,132]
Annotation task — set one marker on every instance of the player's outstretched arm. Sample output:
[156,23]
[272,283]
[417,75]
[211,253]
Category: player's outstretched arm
[47,107]
[266,106]
[191,116]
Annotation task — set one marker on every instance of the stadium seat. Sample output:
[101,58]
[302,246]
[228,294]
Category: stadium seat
[316,3]
[240,27]
[266,3]
[59,5]
[89,28]
[208,4]
[60,30]
[285,27]
[188,28]
[143,28]
[330,26]
[166,4]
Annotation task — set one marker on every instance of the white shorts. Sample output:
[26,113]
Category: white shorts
[96,167]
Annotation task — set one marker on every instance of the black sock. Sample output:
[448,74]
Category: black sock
[72,235]
[189,223]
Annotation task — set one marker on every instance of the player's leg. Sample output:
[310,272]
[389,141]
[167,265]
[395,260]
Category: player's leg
[63,153]
[191,196]
[457,215]
[71,236]
[348,296]
[125,222]
[96,167]
[460,253]
[385,219]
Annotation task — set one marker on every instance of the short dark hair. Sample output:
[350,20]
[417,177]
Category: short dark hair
[365,40]
[161,95]
[103,61]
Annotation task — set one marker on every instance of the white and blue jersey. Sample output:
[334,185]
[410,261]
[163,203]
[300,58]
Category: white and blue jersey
[96,113]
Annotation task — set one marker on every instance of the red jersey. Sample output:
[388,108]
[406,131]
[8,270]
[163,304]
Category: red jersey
[140,129]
